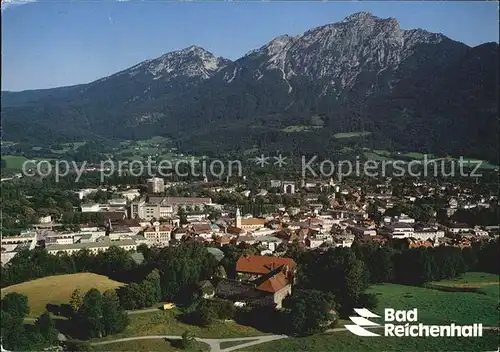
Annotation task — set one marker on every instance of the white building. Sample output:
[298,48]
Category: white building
[156,185]
[158,234]
[93,247]
[45,219]
[90,207]
[402,230]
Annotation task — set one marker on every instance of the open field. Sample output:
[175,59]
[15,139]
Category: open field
[227,344]
[375,156]
[153,345]
[300,128]
[350,134]
[346,341]
[440,307]
[67,147]
[58,289]
[166,323]
[471,279]
[14,161]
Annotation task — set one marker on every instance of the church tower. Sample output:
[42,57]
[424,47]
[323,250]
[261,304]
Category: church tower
[238,218]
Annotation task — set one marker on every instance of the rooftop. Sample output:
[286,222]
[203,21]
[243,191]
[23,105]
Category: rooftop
[256,264]
[102,244]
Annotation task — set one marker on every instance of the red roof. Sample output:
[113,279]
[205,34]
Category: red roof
[274,283]
[256,264]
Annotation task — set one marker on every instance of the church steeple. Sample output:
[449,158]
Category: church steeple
[238,218]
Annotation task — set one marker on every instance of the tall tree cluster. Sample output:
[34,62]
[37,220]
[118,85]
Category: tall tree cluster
[100,315]
[18,337]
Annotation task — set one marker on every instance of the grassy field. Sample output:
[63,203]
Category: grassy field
[227,344]
[166,323]
[14,161]
[434,307]
[300,128]
[440,307]
[350,134]
[345,341]
[58,289]
[149,346]
[375,156]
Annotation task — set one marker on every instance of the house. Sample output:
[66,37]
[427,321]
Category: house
[256,265]
[361,231]
[243,238]
[270,242]
[203,230]
[266,290]
[222,240]
[458,227]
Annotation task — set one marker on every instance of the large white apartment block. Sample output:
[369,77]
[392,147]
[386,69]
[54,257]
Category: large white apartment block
[163,207]
[93,247]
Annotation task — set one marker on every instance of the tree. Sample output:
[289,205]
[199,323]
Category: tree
[46,327]
[188,340]
[76,300]
[181,213]
[16,305]
[90,314]
[155,280]
[311,311]
[114,318]
[205,315]
[13,333]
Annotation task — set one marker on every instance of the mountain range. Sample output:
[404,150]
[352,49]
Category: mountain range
[407,90]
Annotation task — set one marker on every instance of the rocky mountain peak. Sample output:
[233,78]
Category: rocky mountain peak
[192,61]
[360,17]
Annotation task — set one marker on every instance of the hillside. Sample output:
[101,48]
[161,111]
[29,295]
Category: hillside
[412,89]
[57,289]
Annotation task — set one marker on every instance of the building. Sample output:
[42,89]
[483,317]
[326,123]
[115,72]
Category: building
[93,247]
[164,207]
[268,280]
[26,236]
[248,224]
[156,185]
[45,219]
[361,231]
[158,234]
[401,230]
[90,208]
[256,265]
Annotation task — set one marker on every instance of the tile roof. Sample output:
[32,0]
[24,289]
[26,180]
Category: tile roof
[274,283]
[256,264]
[253,221]
[160,228]
[202,228]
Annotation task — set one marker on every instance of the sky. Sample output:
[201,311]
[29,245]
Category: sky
[53,43]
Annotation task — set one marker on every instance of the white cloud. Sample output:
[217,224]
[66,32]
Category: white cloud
[6,4]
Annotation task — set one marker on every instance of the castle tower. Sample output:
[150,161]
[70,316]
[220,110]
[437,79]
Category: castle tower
[238,218]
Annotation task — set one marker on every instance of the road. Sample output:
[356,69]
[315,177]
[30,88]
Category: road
[213,343]
[255,340]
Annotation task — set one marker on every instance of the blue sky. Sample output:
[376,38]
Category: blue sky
[54,43]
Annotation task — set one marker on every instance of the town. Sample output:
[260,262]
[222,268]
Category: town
[249,177]
[333,215]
